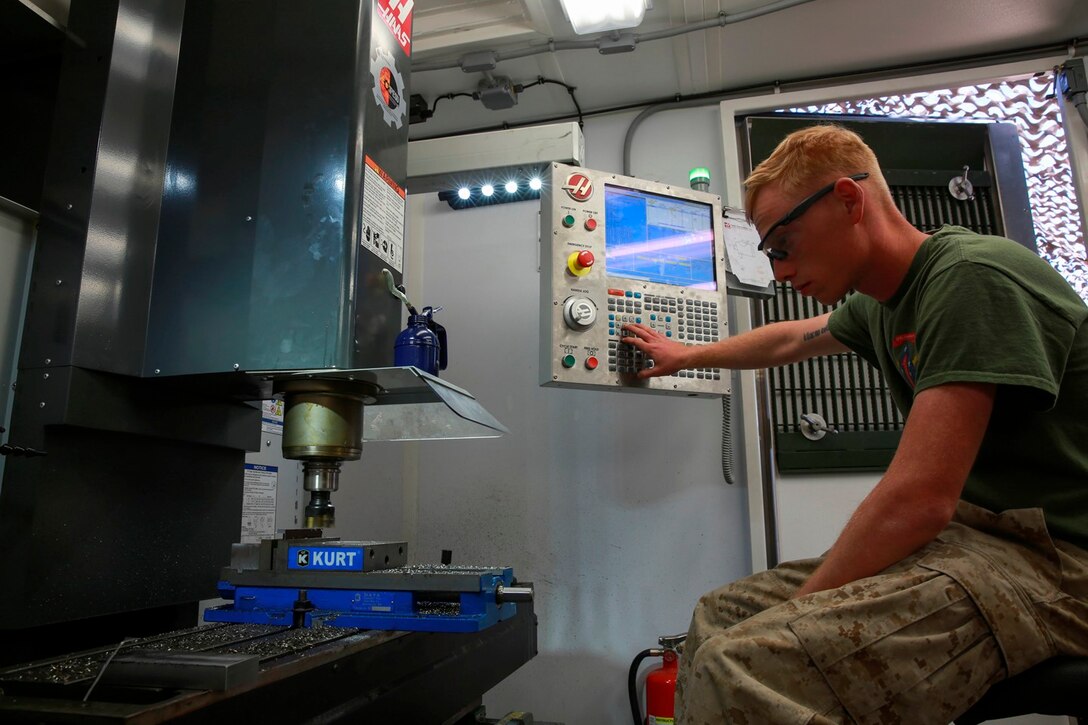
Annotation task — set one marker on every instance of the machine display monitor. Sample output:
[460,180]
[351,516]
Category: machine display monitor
[658,238]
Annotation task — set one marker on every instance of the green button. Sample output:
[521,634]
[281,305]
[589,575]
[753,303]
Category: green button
[568,221]
[568,361]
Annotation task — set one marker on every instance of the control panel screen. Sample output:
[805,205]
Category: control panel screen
[658,238]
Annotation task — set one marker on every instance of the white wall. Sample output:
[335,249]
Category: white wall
[370,499]
[813,508]
[612,504]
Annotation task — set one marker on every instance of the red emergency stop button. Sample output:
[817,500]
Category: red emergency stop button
[591,363]
[580,263]
[591,224]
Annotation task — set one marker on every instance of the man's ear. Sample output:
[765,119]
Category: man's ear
[852,196]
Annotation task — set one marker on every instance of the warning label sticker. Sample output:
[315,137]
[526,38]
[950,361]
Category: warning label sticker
[383,215]
[272,416]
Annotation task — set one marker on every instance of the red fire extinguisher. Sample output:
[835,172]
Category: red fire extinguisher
[660,682]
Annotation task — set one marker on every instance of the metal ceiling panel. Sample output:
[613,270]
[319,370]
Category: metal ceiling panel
[820,38]
[445,25]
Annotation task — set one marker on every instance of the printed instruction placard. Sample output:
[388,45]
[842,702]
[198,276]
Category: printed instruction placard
[750,265]
[259,503]
[383,215]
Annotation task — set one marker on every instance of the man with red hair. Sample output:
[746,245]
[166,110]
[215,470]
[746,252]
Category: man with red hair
[967,562]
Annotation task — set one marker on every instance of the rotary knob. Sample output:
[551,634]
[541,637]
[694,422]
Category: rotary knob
[579,313]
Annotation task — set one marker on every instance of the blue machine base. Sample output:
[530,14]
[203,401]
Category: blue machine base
[408,623]
[363,608]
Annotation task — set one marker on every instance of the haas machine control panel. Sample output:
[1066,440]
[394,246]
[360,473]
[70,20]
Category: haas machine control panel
[615,250]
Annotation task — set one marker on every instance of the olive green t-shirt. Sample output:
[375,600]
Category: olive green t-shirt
[985,309]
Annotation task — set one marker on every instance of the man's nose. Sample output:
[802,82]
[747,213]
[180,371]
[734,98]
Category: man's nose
[783,270]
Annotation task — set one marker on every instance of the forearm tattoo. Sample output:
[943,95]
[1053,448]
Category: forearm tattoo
[814,334]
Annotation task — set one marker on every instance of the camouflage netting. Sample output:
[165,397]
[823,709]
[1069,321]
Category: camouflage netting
[1030,104]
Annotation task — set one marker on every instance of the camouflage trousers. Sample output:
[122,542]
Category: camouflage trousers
[918,643]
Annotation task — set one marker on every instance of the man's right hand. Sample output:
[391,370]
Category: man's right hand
[667,355]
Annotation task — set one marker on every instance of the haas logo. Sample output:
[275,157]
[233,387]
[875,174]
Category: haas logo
[302,558]
[578,187]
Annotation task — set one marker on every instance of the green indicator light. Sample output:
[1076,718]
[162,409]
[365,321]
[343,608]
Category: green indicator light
[568,361]
[700,173]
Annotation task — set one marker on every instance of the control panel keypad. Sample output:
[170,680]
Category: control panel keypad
[690,321]
[624,358]
[699,321]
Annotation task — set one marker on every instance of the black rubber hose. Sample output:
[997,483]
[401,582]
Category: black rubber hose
[636,709]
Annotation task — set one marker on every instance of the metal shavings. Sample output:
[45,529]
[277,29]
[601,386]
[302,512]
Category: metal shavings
[102,669]
[290,641]
[63,672]
[441,569]
[84,667]
[207,638]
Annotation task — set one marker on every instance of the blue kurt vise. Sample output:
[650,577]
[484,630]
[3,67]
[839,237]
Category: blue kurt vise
[368,584]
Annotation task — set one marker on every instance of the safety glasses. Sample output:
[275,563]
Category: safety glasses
[777,255]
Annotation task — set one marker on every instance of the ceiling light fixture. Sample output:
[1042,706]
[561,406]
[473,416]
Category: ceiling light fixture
[598,16]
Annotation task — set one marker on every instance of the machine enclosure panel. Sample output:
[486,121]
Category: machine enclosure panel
[262,262]
[202,213]
[558,284]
